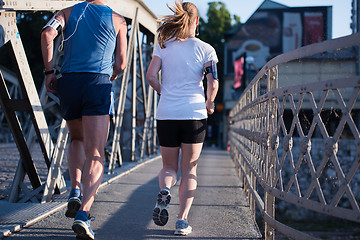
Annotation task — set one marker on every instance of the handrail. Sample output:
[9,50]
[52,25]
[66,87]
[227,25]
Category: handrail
[309,50]
[289,160]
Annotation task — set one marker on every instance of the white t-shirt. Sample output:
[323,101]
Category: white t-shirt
[182,91]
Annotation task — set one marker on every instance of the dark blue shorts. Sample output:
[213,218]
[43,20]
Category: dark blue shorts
[172,133]
[85,94]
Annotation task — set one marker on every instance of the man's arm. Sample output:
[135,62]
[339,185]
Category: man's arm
[47,49]
[47,42]
[121,45]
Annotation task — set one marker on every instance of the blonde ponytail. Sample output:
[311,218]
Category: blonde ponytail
[177,25]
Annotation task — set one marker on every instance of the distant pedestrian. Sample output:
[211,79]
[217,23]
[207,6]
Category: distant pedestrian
[95,45]
[182,110]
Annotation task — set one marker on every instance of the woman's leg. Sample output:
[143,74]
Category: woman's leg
[167,179]
[168,174]
[189,156]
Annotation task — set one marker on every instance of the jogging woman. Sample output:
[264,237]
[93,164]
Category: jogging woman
[182,109]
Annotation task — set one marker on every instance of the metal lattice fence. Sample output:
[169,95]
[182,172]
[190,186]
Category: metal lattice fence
[294,134]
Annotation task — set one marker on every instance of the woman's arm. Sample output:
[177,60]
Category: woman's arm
[152,73]
[212,89]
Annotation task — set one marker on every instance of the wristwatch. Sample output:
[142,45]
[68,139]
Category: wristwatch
[49,72]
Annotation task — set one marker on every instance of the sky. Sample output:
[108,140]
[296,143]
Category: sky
[245,8]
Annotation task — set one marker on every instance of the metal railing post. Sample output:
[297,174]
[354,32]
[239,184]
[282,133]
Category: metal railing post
[272,83]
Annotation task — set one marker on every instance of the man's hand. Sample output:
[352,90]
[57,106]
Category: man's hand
[51,83]
[113,77]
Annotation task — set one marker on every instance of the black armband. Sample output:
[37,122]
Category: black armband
[212,69]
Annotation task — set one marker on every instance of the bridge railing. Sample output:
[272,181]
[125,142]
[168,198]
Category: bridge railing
[294,135]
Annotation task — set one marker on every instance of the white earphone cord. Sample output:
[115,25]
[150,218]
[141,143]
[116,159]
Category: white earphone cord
[60,48]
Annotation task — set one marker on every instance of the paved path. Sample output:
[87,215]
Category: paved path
[123,209]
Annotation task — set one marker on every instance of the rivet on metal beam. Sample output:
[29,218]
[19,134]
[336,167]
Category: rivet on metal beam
[330,146]
[287,143]
[274,141]
[305,145]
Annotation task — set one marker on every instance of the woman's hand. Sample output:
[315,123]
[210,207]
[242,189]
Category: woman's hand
[210,107]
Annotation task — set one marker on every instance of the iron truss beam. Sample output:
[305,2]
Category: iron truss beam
[146,17]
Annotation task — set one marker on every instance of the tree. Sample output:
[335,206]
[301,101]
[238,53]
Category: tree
[219,22]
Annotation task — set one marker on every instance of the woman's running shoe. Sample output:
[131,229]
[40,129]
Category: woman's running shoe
[182,227]
[160,212]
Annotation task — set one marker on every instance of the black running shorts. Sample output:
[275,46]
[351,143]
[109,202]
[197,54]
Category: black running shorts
[172,133]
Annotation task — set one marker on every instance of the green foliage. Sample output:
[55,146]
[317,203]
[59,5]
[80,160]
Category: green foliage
[219,21]
[236,19]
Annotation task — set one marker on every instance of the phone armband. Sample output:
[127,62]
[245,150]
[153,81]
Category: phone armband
[54,24]
[212,69]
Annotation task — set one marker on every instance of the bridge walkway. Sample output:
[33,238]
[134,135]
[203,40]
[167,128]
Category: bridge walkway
[123,208]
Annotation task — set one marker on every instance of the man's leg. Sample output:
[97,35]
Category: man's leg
[76,153]
[95,130]
[76,159]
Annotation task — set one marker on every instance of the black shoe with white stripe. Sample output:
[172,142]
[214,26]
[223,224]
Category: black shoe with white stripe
[74,203]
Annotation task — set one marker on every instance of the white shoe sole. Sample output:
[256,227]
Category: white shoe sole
[183,231]
[82,230]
